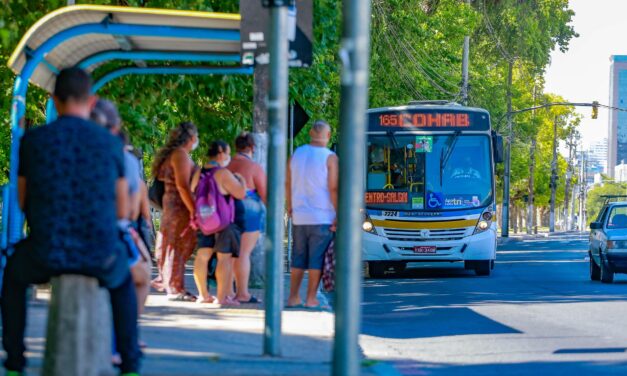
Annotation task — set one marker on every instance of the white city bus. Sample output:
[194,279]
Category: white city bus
[430,187]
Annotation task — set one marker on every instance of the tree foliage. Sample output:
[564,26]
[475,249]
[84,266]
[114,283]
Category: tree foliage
[416,54]
[595,197]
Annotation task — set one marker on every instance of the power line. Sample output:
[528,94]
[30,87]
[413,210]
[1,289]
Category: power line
[492,33]
[418,65]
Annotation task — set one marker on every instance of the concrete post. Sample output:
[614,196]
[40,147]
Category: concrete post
[78,338]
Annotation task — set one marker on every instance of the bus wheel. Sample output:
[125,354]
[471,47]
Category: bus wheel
[375,269]
[483,267]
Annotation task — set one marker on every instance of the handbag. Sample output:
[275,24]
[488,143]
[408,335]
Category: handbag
[155,193]
[328,268]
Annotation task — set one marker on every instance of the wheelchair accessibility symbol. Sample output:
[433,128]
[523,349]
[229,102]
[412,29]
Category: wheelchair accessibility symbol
[434,201]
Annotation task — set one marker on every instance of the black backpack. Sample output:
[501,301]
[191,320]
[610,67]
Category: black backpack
[155,193]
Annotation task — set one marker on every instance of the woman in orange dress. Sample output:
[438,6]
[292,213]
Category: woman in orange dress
[174,166]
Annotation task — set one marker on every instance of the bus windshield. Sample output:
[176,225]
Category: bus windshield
[428,172]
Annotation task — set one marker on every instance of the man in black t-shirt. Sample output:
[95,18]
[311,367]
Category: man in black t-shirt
[72,190]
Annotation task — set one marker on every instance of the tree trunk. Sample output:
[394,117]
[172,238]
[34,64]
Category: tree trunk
[261,84]
[530,205]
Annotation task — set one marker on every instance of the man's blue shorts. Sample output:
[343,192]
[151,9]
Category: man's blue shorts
[310,242]
[250,212]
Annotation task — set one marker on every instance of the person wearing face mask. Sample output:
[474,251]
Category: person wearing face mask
[174,166]
[225,243]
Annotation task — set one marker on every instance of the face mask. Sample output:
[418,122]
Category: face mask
[195,145]
[226,162]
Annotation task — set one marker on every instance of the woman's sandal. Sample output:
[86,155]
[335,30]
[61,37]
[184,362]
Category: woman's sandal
[182,297]
[210,300]
[252,300]
[229,302]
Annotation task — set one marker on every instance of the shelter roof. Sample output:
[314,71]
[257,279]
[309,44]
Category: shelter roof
[74,50]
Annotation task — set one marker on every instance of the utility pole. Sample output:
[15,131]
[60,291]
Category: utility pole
[553,178]
[532,168]
[569,174]
[354,54]
[465,63]
[277,156]
[508,154]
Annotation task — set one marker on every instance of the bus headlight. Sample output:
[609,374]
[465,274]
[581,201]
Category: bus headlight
[485,221]
[368,226]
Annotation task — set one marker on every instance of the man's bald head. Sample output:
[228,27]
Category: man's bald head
[320,133]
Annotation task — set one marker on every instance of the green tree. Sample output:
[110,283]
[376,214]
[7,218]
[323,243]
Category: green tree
[595,197]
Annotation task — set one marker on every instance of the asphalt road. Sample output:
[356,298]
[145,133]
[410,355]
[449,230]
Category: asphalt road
[537,314]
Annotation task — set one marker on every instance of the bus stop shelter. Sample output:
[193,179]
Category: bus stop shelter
[89,36]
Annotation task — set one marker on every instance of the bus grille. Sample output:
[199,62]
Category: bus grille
[427,235]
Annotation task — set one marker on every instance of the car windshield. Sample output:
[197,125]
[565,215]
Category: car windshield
[433,173]
[617,218]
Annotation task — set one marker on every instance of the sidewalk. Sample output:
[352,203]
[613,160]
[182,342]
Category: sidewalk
[540,235]
[191,339]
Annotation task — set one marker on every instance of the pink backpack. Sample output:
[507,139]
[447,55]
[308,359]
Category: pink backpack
[214,212]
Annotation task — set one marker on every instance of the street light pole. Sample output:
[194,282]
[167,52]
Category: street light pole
[508,155]
[553,178]
[354,54]
[277,116]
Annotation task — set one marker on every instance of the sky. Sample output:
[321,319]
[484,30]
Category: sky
[582,73]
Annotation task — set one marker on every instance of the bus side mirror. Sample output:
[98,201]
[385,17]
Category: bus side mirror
[596,226]
[497,145]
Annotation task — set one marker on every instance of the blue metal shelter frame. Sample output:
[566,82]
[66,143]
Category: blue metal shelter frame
[12,216]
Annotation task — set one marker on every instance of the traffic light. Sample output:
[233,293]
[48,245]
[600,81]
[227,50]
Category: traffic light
[595,109]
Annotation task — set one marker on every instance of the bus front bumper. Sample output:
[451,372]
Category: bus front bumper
[481,246]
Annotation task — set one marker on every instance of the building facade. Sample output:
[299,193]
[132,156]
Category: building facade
[617,135]
[597,156]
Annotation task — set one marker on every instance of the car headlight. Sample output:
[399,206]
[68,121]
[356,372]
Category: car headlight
[617,244]
[485,221]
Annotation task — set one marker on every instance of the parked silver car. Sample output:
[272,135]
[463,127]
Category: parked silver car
[608,242]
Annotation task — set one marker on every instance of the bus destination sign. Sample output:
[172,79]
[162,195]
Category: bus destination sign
[432,120]
[387,197]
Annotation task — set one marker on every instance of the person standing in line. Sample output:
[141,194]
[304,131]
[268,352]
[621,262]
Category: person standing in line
[73,190]
[225,243]
[312,191]
[173,165]
[106,114]
[250,211]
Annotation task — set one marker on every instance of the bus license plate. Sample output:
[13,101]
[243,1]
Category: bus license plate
[425,249]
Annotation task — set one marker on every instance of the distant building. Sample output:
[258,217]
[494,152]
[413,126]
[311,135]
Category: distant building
[620,173]
[617,137]
[597,156]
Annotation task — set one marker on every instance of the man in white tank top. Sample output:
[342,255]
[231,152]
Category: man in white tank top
[312,179]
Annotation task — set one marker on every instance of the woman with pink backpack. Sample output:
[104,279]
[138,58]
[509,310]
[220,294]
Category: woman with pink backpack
[216,188]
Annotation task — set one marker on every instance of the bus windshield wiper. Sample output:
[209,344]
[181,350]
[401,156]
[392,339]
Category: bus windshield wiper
[392,137]
[445,157]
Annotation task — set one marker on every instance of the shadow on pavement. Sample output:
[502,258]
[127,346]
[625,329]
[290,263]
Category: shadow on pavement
[450,321]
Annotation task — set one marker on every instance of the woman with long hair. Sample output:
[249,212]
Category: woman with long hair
[174,166]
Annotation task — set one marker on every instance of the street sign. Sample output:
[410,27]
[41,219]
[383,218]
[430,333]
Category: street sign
[300,119]
[254,33]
